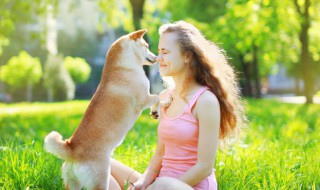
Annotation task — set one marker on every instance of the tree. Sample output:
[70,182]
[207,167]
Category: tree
[137,12]
[243,28]
[121,12]
[22,71]
[299,38]
[57,80]
[205,11]
[248,33]
[15,12]
[307,64]
[78,69]
[6,25]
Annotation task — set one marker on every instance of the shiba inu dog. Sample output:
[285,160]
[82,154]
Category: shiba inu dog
[122,94]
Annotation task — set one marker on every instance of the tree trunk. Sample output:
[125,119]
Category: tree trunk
[137,14]
[51,42]
[51,38]
[29,92]
[297,86]
[305,55]
[305,58]
[50,94]
[256,74]
[247,88]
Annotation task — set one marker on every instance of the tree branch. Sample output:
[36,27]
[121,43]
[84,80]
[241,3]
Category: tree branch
[306,7]
[297,7]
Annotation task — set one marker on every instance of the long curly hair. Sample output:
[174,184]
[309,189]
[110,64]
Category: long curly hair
[209,67]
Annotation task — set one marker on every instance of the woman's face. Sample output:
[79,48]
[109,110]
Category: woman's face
[170,59]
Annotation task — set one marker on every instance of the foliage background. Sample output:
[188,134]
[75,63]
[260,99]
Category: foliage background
[259,36]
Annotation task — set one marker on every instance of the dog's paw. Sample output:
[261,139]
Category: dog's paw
[166,103]
[154,114]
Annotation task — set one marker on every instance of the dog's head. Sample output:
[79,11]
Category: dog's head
[141,47]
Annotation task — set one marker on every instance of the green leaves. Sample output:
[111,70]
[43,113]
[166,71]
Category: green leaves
[15,12]
[21,70]
[78,68]
[57,80]
[117,14]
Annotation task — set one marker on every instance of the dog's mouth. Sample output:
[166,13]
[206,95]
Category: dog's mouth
[151,61]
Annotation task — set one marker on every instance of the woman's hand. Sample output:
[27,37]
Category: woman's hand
[138,185]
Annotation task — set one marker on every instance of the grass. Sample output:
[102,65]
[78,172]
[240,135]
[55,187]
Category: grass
[278,150]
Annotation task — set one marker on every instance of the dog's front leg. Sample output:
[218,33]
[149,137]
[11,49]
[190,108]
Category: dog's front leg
[154,110]
[70,180]
[151,100]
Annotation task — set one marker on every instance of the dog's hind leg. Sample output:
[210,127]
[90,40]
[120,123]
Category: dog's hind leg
[70,180]
[73,185]
[93,174]
[102,175]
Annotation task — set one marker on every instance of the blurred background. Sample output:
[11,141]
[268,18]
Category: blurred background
[54,50]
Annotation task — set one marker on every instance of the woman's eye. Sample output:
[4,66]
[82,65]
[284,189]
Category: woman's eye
[162,52]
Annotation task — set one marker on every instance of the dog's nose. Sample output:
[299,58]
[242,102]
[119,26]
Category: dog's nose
[158,58]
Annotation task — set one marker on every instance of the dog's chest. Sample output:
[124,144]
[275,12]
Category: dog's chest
[142,85]
[141,92]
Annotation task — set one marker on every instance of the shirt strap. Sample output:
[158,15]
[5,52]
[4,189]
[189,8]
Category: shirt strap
[196,96]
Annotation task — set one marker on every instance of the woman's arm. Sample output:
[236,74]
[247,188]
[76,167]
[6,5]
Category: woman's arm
[152,170]
[207,111]
[154,166]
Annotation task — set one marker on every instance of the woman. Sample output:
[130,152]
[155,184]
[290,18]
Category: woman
[205,107]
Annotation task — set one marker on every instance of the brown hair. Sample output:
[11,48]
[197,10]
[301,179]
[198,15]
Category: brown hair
[209,67]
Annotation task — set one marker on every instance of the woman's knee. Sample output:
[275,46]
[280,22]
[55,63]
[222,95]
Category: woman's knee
[161,183]
[165,183]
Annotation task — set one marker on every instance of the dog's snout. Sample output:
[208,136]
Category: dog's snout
[152,58]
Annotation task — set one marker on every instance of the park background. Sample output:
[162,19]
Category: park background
[52,53]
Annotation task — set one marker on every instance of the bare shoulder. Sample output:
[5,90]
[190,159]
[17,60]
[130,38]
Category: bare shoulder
[207,102]
[208,98]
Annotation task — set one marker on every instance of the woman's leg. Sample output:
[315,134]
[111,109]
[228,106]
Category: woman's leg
[123,173]
[113,184]
[165,183]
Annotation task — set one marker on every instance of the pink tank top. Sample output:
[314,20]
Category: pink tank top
[180,137]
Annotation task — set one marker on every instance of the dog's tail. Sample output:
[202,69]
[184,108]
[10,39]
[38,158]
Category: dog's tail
[54,144]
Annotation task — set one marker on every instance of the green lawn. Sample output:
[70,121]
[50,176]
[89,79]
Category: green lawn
[279,149]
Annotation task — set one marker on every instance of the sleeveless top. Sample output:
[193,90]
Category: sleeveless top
[180,137]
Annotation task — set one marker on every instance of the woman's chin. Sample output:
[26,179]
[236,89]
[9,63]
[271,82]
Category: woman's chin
[163,73]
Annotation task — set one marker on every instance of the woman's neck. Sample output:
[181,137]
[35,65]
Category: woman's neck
[189,88]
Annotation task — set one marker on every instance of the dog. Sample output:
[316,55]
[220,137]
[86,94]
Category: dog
[122,94]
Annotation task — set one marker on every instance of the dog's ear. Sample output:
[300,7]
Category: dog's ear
[137,34]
